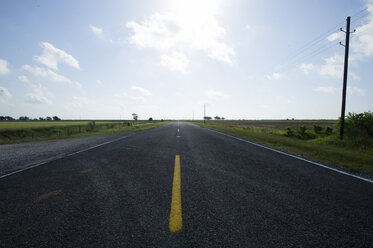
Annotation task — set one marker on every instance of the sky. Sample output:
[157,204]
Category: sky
[166,59]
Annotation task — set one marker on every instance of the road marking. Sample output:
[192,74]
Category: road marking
[68,155]
[48,195]
[294,156]
[178,130]
[176,218]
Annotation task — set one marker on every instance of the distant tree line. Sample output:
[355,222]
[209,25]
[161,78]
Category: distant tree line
[216,118]
[26,118]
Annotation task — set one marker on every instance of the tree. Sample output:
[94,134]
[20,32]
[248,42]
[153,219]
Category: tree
[55,118]
[208,118]
[217,118]
[24,118]
[151,118]
[135,116]
[48,118]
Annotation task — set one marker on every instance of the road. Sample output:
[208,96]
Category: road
[226,193]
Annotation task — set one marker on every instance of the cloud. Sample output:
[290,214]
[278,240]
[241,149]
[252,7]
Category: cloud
[333,90]
[306,68]
[38,95]
[355,91]
[142,91]
[362,43]
[4,92]
[336,36]
[192,24]
[4,67]
[51,56]
[99,82]
[327,89]
[217,95]
[354,76]
[48,73]
[97,31]
[176,61]
[333,66]
[275,76]
[139,98]
[23,78]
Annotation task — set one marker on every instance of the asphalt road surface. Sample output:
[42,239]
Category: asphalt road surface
[223,193]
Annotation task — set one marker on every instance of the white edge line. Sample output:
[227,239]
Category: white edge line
[294,156]
[68,155]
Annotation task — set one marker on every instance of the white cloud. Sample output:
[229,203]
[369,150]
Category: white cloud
[48,73]
[214,94]
[38,95]
[336,36]
[355,91]
[4,92]
[176,61]
[4,67]
[362,42]
[275,76]
[333,66]
[332,90]
[23,78]
[327,89]
[190,23]
[51,56]
[142,91]
[306,68]
[96,30]
[354,76]
[139,98]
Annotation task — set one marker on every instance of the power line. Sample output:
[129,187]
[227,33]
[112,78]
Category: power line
[320,38]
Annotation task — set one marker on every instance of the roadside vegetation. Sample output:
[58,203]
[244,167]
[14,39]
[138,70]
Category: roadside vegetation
[317,140]
[25,131]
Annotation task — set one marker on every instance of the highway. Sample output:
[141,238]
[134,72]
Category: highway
[180,185]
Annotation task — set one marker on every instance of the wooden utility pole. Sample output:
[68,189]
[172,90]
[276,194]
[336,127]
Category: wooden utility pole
[345,77]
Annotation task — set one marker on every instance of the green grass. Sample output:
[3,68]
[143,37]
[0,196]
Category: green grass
[12,125]
[26,131]
[328,150]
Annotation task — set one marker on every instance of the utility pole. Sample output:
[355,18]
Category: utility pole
[345,76]
[204,113]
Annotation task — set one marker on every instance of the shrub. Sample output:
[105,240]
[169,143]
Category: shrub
[359,125]
[328,130]
[302,130]
[288,131]
[317,128]
[91,125]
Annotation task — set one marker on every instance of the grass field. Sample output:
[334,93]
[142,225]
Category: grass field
[11,125]
[328,150]
[25,131]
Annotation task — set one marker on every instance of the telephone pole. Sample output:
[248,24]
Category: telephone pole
[345,76]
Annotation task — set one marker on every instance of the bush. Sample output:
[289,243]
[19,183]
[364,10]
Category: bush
[288,131]
[359,125]
[328,130]
[317,128]
[91,125]
[302,130]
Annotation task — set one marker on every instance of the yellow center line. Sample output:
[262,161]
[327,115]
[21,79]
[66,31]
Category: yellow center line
[176,218]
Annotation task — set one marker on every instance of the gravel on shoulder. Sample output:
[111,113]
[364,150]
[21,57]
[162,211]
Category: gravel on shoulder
[17,156]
